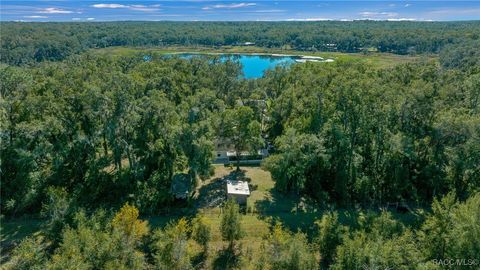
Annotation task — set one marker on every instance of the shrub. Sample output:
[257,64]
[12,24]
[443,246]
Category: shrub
[283,250]
[171,247]
[230,226]
[330,234]
[28,255]
[93,244]
[201,232]
[362,252]
[56,209]
[127,222]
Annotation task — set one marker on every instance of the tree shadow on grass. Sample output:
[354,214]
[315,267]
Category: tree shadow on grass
[214,193]
[14,230]
[292,211]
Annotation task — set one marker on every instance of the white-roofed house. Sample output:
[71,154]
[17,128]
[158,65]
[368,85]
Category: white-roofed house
[238,190]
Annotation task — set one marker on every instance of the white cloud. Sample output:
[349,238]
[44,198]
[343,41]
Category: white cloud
[230,6]
[393,19]
[142,8]
[36,17]
[378,14]
[407,5]
[130,7]
[90,19]
[109,6]
[52,10]
[402,19]
[240,5]
[307,19]
[76,19]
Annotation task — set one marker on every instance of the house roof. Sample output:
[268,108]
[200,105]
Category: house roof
[237,187]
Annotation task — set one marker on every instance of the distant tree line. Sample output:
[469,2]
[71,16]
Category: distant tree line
[26,43]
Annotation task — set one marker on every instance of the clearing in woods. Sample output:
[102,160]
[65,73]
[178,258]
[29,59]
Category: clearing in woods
[265,207]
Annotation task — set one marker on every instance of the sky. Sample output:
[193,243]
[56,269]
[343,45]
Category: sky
[261,10]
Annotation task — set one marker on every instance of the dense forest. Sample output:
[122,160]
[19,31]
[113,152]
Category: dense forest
[24,43]
[92,142]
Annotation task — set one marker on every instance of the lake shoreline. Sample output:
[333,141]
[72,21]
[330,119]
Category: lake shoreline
[377,59]
[297,58]
[238,53]
[253,65]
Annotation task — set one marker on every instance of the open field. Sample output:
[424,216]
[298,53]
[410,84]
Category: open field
[380,60]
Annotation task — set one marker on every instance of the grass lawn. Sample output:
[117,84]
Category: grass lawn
[14,230]
[264,207]
[380,60]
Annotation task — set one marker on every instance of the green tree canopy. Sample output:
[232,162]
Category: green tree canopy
[240,127]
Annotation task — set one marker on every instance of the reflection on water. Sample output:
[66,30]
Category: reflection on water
[253,66]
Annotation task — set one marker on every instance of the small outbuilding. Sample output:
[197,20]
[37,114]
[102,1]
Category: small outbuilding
[181,186]
[238,190]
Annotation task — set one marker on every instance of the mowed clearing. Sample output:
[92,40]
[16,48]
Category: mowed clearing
[265,206]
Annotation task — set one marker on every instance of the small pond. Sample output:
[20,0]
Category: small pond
[253,66]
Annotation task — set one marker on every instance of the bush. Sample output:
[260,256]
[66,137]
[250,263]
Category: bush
[230,226]
[56,210]
[386,226]
[362,252]
[171,246]
[28,255]
[93,243]
[127,222]
[330,234]
[452,230]
[283,250]
[201,232]
[437,227]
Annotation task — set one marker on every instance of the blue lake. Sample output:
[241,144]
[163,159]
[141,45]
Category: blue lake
[253,66]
